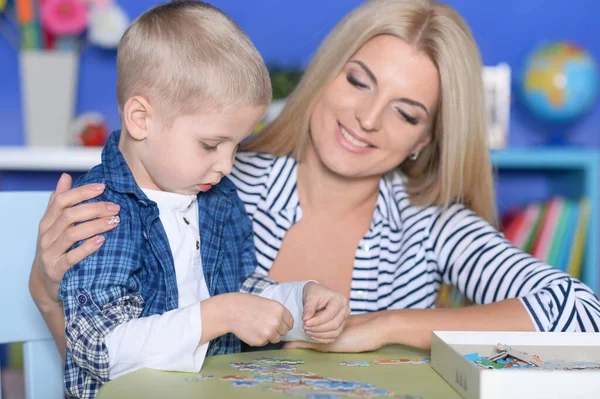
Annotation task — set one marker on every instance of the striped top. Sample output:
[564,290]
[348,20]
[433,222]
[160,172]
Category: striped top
[409,250]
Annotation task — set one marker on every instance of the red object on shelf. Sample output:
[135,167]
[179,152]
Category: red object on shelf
[93,135]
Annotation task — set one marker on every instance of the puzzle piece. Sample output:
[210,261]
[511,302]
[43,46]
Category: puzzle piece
[285,378]
[248,384]
[199,377]
[279,361]
[353,363]
[401,361]
[490,364]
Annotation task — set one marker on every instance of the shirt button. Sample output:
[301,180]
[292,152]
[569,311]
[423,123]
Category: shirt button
[82,299]
[186,221]
[360,294]
[197,244]
[366,248]
[145,234]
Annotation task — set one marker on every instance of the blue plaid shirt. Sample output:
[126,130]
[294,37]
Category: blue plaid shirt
[133,275]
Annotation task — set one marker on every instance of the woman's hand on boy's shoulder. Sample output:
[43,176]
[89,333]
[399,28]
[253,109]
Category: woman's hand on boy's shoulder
[325,312]
[59,230]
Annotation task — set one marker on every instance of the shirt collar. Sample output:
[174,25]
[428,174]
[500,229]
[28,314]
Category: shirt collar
[282,195]
[174,201]
[388,205]
[116,170]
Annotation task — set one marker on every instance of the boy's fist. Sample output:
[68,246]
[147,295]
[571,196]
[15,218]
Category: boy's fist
[325,313]
[258,321]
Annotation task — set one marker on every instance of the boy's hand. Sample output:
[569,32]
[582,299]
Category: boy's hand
[258,321]
[325,313]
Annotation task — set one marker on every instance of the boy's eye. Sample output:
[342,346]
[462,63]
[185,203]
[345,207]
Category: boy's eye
[209,147]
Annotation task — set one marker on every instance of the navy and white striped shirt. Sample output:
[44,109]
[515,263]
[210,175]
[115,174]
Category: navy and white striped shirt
[410,250]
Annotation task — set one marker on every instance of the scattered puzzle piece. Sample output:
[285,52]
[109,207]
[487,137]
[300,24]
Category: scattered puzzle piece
[281,375]
[245,383]
[401,361]
[353,363]
[199,377]
[279,361]
[510,358]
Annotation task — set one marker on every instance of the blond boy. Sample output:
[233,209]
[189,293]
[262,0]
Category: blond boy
[163,290]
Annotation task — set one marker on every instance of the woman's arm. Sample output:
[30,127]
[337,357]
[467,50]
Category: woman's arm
[59,230]
[474,257]
[51,311]
[514,292]
[413,327]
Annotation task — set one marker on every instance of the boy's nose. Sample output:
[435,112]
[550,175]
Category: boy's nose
[224,167]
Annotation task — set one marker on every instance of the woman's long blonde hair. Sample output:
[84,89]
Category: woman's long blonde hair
[455,166]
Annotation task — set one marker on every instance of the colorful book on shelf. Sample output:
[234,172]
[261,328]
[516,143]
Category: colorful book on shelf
[566,246]
[548,226]
[533,232]
[525,225]
[577,250]
[560,234]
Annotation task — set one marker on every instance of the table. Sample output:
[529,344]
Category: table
[419,380]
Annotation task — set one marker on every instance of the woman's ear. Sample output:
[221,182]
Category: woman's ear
[424,142]
[137,113]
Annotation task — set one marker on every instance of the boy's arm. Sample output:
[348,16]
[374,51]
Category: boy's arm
[289,295]
[98,294]
[169,342]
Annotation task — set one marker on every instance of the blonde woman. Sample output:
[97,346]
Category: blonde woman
[375,180]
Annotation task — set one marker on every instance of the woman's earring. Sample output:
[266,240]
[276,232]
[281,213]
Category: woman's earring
[414,156]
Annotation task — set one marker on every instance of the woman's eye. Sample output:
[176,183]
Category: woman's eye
[355,82]
[209,147]
[410,119]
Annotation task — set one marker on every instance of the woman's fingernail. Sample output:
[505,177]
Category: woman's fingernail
[113,207]
[97,187]
[113,220]
[99,240]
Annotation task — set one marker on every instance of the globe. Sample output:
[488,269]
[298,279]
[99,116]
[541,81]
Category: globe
[559,83]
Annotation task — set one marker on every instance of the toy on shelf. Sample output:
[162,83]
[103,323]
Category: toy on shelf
[496,84]
[49,35]
[90,130]
[62,24]
[558,85]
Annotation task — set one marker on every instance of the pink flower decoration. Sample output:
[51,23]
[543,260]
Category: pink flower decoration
[64,17]
[98,3]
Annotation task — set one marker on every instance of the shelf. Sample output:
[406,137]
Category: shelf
[61,159]
[81,159]
[545,158]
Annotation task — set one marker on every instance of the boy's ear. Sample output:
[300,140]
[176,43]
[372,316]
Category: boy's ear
[137,113]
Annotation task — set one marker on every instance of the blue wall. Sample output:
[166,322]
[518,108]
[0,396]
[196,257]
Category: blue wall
[288,32]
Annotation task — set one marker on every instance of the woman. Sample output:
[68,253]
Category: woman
[375,180]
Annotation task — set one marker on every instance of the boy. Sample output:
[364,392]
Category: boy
[162,291]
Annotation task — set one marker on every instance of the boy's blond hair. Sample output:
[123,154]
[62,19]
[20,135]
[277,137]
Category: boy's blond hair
[188,56]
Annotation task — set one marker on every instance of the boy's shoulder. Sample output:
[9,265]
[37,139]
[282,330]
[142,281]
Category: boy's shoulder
[94,175]
[97,175]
